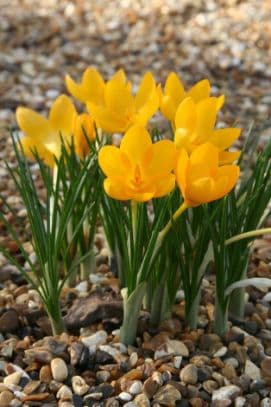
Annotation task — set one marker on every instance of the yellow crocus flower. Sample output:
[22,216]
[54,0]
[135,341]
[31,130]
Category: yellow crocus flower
[174,94]
[138,169]
[194,123]
[112,104]
[201,179]
[44,135]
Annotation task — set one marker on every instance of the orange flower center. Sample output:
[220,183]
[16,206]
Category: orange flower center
[137,179]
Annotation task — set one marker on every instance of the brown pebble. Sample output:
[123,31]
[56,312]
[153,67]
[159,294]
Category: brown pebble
[266,369]
[31,386]
[229,372]
[45,374]
[167,395]
[9,321]
[150,387]
[36,397]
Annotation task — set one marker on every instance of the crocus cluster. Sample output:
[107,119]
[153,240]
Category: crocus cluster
[138,169]
[196,161]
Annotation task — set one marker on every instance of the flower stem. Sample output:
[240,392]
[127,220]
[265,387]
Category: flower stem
[134,218]
[237,298]
[161,305]
[191,311]
[168,226]
[87,266]
[221,317]
[131,310]
[162,234]
[56,320]
[246,235]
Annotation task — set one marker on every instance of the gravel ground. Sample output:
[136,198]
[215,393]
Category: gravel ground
[228,42]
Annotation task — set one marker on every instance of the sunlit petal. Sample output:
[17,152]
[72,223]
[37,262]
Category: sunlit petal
[186,114]
[135,143]
[113,161]
[224,138]
[62,115]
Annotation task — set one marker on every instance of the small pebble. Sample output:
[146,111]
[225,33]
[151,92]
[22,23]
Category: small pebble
[226,393]
[64,393]
[124,396]
[189,374]
[13,378]
[59,370]
[79,385]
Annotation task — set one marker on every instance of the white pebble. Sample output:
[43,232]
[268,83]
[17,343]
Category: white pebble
[59,369]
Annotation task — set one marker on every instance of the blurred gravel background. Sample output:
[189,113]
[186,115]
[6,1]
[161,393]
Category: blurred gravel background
[228,41]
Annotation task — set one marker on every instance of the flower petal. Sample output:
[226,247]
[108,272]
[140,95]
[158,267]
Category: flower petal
[115,189]
[174,88]
[135,143]
[164,185]
[206,154]
[119,99]
[32,124]
[232,173]
[220,102]
[29,148]
[119,77]
[90,88]
[108,121]
[146,87]
[181,171]
[206,117]
[224,138]
[186,114]
[227,157]
[201,90]
[200,191]
[62,115]
[113,162]
[160,158]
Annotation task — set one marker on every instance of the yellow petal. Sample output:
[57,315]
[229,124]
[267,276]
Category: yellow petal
[146,87]
[142,196]
[232,173]
[160,158]
[32,124]
[224,138]
[206,117]
[114,162]
[227,157]
[164,185]
[182,139]
[200,191]
[201,90]
[107,120]
[206,154]
[149,109]
[83,129]
[119,99]
[62,115]
[181,171]
[29,149]
[119,77]
[186,114]
[168,107]
[135,143]
[91,86]
[115,188]
[174,88]
[220,102]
